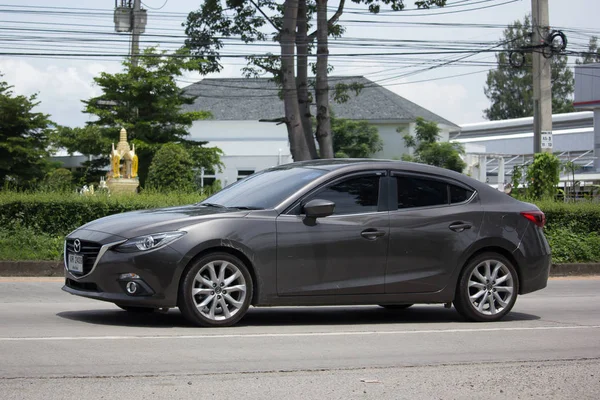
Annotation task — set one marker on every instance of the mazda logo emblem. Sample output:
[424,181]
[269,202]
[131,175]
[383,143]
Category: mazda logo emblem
[77,246]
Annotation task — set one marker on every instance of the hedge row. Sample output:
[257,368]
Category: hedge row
[581,217]
[59,214]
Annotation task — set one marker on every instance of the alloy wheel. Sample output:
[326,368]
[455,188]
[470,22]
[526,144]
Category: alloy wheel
[490,287]
[219,290]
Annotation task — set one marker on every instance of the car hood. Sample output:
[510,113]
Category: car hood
[143,222]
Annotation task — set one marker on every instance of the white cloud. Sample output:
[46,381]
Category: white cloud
[60,88]
[449,100]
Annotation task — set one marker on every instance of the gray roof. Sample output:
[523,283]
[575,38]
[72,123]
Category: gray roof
[238,99]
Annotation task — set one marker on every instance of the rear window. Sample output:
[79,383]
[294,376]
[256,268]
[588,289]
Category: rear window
[420,192]
[459,194]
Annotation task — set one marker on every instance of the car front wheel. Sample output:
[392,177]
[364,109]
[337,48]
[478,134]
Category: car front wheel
[487,289]
[216,291]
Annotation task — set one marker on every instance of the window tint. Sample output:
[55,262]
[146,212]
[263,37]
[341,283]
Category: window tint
[458,194]
[353,195]
[419,192]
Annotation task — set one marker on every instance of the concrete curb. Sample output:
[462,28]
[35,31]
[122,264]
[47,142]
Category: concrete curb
[56,268]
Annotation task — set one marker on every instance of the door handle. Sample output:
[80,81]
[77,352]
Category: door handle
[460,226]
[371,234]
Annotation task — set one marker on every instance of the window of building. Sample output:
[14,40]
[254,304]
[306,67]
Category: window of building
[243,173]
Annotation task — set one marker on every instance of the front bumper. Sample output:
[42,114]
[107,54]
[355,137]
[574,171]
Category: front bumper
[158,270]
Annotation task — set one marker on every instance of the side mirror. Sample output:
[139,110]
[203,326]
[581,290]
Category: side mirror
[319,208]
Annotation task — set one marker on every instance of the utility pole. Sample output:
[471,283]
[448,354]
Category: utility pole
[135,32]
[129,17]
[542,86]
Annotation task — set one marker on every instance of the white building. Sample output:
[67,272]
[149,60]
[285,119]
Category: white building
[510,142]
[238,107]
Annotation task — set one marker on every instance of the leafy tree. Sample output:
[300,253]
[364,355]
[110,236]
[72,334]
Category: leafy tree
[207,27]
[592,55]
[58,180]
[146,101]
[510,89]
[354,139]
[543,175]
[23,139]
[428,150]
[172,169]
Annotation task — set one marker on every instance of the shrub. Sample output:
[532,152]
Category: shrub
[58,180]
[172,169]
[27,244]
[571,247]
[61,213]
[578,217]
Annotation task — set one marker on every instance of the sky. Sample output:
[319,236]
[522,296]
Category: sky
[454,91]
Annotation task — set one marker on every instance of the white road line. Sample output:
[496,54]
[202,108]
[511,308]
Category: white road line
[300,334]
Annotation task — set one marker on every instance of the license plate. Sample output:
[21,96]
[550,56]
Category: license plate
[75,263]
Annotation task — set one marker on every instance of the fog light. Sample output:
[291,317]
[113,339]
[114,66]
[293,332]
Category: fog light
[129,276]
[132,287]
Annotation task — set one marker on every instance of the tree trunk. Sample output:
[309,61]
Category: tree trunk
[298,146]
[322,91]
[302,77]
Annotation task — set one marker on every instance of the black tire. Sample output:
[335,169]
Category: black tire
[396,306]
[134,309]
[491,291]
[187,302]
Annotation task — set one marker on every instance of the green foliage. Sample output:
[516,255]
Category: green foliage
[428,150]
[543,175]
[58,180]
[580,217]
[510,89]
[147,102]
[573,247]
[25,244]
[61,213]
[23,139]
[172,169]
[592,55]
[354,139]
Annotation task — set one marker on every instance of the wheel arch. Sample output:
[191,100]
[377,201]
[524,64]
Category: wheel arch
[493,248]
[223,249]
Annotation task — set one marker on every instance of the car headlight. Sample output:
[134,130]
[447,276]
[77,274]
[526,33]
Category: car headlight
[149,242]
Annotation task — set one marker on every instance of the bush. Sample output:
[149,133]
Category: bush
[172,169]
[58,180]
[578,217]
[25,244]
[571,247]
[61,213]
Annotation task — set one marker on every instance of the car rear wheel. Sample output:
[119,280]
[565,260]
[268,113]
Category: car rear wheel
[216,291]
[487,289]
[395,306]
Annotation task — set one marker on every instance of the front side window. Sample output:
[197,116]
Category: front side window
[354,195]
[420,192]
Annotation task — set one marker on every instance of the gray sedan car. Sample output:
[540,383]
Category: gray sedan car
[325,232]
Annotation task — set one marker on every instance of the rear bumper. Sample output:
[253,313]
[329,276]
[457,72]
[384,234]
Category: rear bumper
[534,260]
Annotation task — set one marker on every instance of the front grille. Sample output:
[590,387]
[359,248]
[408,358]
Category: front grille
[87,286]
[89,250]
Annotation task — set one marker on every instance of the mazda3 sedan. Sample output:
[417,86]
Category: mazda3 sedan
[325,232]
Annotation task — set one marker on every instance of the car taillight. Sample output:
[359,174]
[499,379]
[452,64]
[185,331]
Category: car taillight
[537,217]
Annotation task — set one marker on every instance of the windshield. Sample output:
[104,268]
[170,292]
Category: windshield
[265,189]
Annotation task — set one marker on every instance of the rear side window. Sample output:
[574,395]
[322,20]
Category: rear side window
[459,194]
[353,195]
[420,192]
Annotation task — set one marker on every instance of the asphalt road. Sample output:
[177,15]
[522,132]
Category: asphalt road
[57,346]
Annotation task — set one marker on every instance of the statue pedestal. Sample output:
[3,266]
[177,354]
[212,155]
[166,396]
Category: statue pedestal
[122,185]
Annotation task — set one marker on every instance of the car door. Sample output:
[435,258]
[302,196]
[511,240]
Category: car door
[342,254]
[435,220]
